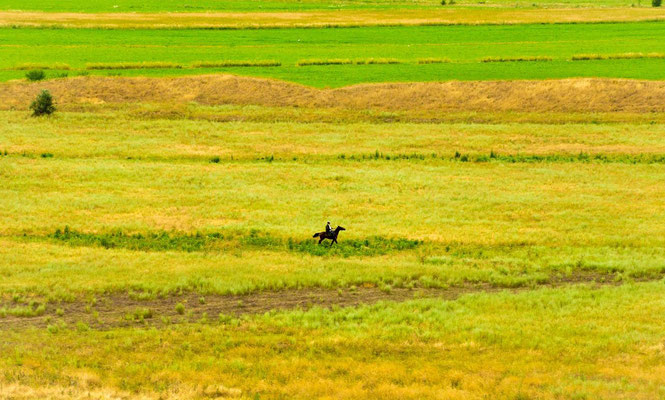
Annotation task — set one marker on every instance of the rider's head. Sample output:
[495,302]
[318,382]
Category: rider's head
[328,221]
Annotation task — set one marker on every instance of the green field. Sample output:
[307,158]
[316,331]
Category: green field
[504,240]
[464,46]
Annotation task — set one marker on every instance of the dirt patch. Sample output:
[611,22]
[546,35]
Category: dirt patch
[123,310]
[563,96]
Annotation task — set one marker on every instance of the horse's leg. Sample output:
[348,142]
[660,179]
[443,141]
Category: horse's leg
[321,240]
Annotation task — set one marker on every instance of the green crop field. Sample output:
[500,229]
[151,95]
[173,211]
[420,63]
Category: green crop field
[502,202]
[464,46]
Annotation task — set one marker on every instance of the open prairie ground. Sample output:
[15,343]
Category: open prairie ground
[498,168]
[164,249]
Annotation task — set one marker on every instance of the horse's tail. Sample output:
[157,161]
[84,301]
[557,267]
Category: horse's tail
[317,234]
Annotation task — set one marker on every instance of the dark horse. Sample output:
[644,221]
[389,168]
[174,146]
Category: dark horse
[332,235]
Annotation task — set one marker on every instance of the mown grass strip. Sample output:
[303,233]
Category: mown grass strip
[186,242]
[623,56]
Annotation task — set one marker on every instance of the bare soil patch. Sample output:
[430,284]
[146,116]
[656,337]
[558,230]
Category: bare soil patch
[122,310]
[562,96]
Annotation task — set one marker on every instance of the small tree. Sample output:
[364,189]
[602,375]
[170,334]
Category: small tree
[43,104]
[656,3]
[35,75]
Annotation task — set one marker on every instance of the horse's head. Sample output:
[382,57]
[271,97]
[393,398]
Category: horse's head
[339,228]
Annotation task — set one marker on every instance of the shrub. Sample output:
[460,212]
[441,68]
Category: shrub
[656,3]
[180,308]
[43,104]
[35,75]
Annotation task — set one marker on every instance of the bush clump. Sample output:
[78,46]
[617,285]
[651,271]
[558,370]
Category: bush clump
[35,75]
[656,3]
[43,104]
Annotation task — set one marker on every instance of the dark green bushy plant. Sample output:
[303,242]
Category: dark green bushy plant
[43,104]
[35,75]
[656,3]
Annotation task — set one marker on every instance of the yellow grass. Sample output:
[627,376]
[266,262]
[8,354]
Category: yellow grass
[623,56]
[329,18]
[566,95]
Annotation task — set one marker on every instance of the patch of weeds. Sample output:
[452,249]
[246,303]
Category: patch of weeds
[57,327]
[141,314]
[46,155]
[375,245]
[180,308]
[82,326]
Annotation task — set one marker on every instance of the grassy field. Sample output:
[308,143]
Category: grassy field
[464,46]
[507,346]
[123,228]
[505,229]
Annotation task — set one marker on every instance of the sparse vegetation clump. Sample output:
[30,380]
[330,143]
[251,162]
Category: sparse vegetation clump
[43,104]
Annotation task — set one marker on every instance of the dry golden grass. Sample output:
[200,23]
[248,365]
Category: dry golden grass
[566,95]
[329,18]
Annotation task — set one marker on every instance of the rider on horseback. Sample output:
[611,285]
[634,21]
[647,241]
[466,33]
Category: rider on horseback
[329,229]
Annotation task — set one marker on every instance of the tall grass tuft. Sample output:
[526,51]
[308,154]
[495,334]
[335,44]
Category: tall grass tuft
[369,61]
[515,59]
[29,66]
[236,63]
[622,56]
[134,65]
[315,61]
[433,60]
